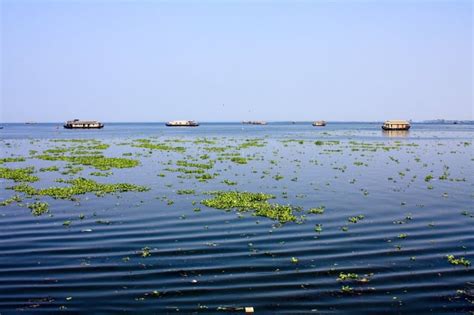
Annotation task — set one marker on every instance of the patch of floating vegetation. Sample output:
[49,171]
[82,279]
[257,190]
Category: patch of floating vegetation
[278,177]
[185,163]
[318,228]
[256,202]
[145,252]
[97,161]
[38,208]
[347,289]
[356,218]
[347,276]
[204,177]
[79,186]
[186,192]
[248,143]
[12,159]
[458,261]
[185,170]
[319,210]
[10,200]
[229,182]
[330,142]
[239,160]
[354,277]
[18,174]
[71,170]
[148,144]
[101,174]
[49,169]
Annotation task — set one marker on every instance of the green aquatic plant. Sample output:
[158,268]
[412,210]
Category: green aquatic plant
[145,252]
[428,178]
[186,170]
[204,177]
[147,144]
[10,200]
[247,201]
[18,174]
[101,174]
[347,276]
[278,177]
[79,186]
[49,169]
[318,210]
[97,161]
[38,208]
[458,261]
[347,289]
[251,143]
[186,192]
[239,160]
[356,218]
[184,163]
[318,228]
[12,159]
[229,182]
[71,170]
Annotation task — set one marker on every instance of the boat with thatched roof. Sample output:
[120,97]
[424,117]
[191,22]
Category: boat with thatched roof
[83,124]
[182,123]
[254,122]
[396,125]
[319,123]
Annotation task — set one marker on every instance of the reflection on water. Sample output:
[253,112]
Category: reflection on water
[396,133]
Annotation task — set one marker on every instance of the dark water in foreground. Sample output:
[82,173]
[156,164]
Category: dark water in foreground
[203,261]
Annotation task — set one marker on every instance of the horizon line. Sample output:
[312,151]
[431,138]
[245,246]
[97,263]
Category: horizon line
[240,121]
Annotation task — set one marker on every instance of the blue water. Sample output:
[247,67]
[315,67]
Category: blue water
[206,261]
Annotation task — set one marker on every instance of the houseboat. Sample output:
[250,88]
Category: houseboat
[254,122]
[182,123]
[319,123]
[396,125]
[83,124]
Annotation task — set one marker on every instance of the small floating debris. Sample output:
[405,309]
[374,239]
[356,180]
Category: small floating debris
[83,124]
[396,125]
[182,123]
[319,123]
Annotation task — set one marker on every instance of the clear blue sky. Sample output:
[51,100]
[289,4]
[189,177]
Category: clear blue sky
[236,60]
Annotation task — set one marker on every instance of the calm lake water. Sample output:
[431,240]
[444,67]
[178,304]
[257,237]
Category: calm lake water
[395,205]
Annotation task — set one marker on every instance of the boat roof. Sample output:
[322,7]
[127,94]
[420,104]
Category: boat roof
[82,122]
[399,121]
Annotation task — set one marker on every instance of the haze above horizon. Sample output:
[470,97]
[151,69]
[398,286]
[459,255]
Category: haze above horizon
[154,61]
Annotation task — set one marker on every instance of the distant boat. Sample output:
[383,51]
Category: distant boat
[182,123]
[396,125]
[83,124]
[319,123]
[254,122]
[30,123]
